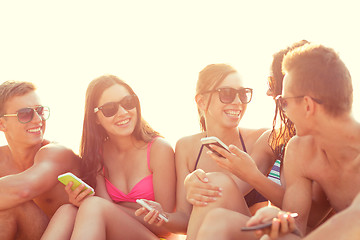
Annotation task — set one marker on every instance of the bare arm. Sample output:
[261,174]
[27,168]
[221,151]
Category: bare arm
[177,220]
[164,177]
[253,168]
[49,162]
[344,225]
[298,194]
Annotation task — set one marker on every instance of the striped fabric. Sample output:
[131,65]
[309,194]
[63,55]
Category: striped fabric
[274,174]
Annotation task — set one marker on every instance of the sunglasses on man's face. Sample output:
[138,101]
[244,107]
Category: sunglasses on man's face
[228,95]
[111,108]
[282,102]
[25,115]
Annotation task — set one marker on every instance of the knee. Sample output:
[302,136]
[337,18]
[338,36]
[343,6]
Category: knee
[222,180]
[67,209]
[215,220]
[93,204]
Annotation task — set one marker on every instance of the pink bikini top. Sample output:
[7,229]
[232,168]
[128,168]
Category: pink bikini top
[144,189]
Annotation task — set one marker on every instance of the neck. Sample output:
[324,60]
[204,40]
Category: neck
[123,144]
[338,134]
[226,135]
[23,156]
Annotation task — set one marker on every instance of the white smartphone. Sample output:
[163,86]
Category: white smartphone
[264,225]
[148,207]
[214,140]
[69,177]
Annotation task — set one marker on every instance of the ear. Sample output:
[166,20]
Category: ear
[309,106]
[2,125]
[200,101]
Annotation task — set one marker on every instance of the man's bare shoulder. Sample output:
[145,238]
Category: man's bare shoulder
[303,148]
[55,151]
[303,142]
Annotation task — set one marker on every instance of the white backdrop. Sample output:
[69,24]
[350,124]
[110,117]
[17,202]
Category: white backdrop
[159,47]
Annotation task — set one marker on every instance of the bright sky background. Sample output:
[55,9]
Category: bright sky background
[159,47]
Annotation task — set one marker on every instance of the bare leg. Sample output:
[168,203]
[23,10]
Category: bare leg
[224,224]
[26,221]
[98,218]
[61,224]
[231,199]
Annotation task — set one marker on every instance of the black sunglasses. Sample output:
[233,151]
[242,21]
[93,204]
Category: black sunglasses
[110,109]
[25,115]
[227,95]
[282,102]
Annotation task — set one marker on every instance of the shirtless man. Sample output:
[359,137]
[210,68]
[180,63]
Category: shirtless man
[29,165]
[317,97]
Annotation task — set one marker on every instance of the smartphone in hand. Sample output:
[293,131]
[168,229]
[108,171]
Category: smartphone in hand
[215,141]
[148,207]
[69,177]
[264,225]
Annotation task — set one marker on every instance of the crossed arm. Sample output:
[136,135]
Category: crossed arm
[50,161]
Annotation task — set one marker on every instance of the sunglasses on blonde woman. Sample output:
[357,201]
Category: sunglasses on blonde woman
[110,109]
[25,115]
[228,95]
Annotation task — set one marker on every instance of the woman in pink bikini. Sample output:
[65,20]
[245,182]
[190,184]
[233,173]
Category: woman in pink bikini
[125,160]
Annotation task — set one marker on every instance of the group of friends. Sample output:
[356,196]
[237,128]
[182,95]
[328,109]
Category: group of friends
[308,163]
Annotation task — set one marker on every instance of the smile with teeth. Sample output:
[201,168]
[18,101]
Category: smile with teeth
[123,122]
[34,130]
[234,113]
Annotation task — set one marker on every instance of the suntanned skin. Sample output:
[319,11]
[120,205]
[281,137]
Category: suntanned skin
[326,151]
[29,165]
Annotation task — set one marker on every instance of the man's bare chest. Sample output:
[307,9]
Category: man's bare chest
[339,185]
[51,200]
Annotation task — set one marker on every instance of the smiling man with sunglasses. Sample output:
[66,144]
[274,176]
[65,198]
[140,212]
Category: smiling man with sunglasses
[29,165]
[317,97]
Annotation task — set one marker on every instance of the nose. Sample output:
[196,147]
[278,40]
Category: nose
[37,117]
[121,110]
[237,98]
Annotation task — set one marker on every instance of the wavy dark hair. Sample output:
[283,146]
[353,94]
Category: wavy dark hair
[94,135]
[279,137]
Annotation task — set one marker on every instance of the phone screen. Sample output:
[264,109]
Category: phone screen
[256,227]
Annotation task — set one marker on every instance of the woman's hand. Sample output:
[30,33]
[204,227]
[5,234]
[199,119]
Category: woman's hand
[199,192]
[78,195]
[237,162]
[152,216]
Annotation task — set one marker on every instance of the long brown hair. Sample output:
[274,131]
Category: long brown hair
[286,130]
[94,135]
[209,78]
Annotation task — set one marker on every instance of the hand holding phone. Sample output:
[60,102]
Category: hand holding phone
[148,207]
[264,225]
[69,177]
[215,141]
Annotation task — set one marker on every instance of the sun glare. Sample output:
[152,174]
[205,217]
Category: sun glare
[159,49]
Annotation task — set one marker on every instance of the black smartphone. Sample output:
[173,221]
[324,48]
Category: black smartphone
[214,140]
[263,225]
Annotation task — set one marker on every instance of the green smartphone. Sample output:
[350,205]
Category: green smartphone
[69,177]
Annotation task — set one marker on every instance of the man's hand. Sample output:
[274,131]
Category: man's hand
[282,222]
